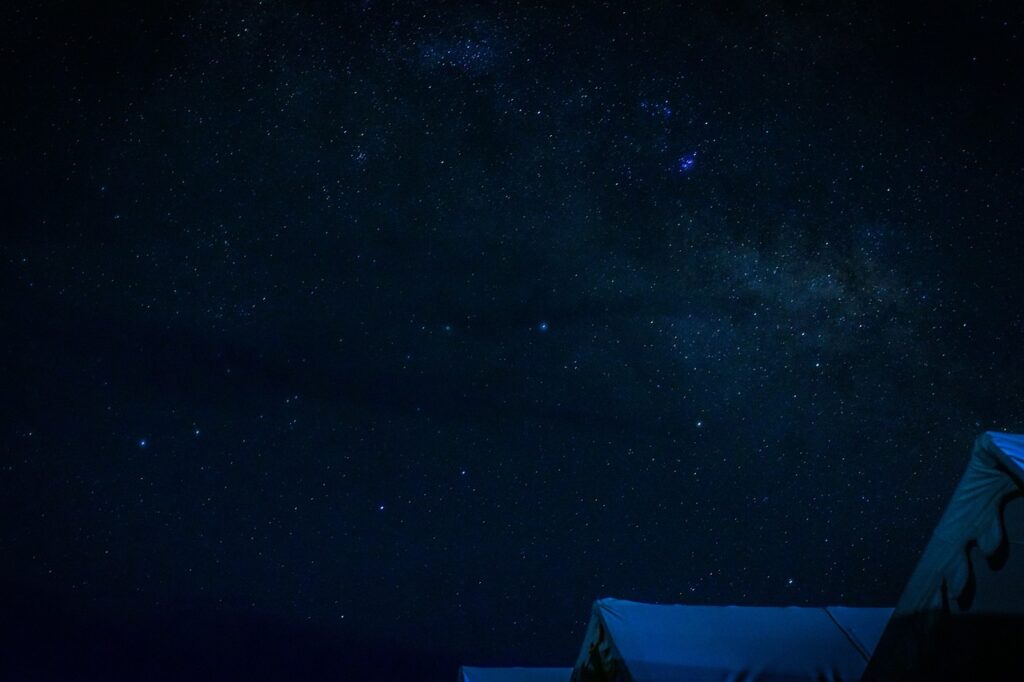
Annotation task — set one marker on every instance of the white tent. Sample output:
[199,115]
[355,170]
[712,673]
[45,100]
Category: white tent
[961,614]
[468,674]
[633,642]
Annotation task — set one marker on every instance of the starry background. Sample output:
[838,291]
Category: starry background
[375,337]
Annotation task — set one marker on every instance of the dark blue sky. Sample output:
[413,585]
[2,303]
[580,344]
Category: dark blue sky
[349,335]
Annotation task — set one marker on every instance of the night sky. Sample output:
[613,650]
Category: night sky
[343,337]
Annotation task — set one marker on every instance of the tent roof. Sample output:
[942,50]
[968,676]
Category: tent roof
[653,643]
[970,574]
[468,674]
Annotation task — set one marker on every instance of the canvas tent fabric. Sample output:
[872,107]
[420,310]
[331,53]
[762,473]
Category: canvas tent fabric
[469,674]
[633,642]
[961,614]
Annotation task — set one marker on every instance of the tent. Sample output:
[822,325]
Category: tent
[632,642]
[467,674]
[961,614]
[960,617]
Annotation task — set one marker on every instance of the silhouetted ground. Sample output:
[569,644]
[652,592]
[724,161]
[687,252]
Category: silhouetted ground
[952,647]
[47,638]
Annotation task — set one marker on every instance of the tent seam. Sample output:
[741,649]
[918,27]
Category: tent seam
[848,636]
